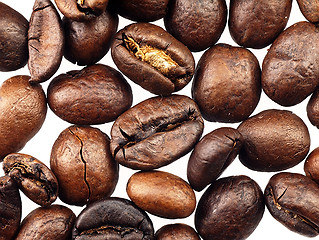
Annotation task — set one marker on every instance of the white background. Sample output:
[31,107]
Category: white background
[40,145]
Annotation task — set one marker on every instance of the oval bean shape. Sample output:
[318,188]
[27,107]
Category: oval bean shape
[310,9]
[162,194]
[313,108]
[311,165]
[177,231]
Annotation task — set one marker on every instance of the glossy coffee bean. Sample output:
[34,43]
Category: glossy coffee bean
[257,23]
[47,223]
[87,42]
[310,10]
[10,208]
[162,194]
[23,110]
[177,231]
[291,66]
[226,84]
[212,155]
[293,200]
[45,41]
[198,23]
[231,208]
[311,166]
[313,108]
[113,218]
[274,140]
[152,58]
[13,39]
[156,132]
[35,179]
[82,162]
[94,95]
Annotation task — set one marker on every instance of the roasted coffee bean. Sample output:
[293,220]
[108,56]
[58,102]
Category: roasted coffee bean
[35,179]
[226,84]
[177,231]
[313,108]
[291,66]
[45,41]
[23,109]
[231,208]
[10,208]
[94,95]
[156,132]
[82,162]
[311,166]
[13,39]
[310,10]
[212,155]
[198,23]
[113,218]
[87,42]
[47,223]
[162,194]
[293,200]
[152,58]
[274,140]
[257,23]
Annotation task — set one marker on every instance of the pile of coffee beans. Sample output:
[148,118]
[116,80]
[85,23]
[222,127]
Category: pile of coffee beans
[159,119]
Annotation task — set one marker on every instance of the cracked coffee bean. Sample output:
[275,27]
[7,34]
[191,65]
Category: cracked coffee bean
[257,23]
[311,165]
[45,41]
[113,218]
[177,231]
[274,140]
[293,200]
[156,132]
[35,179]
[231,208]
[212,155]
[82,162]
[47,223]
[291,66]
[23,110]
[162,194]
[94,95]
[152,58]
[13,39]
[310,10]
[10,208]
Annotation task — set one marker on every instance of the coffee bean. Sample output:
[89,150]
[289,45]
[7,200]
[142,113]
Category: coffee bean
[152,58]
[45,41]
[10,208]
[274,140]
[113,218]
[293,200]
[198,23]
[311,166]
[177,231]
[35,179]
[310,10]
[212,155]
[156,132]
[13,39]
[313,108]
[162,194]
[94,95]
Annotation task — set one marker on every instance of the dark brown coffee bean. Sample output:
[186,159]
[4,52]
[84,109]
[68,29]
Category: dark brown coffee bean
[87,42]
[177,231]
[47,223]
[198,23]
[45,40]
[152,58]
[231,208]
[212,155]
[23,110]
[35,179]
[226,84]
[10,208]
[13,39]
[291,66]
[256,24]
[162,194]
[82,162]
[274,140]
[293,200]
[313,108]
[310,9]
[156,132]
[94,95]
[311,166]
[113,218]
